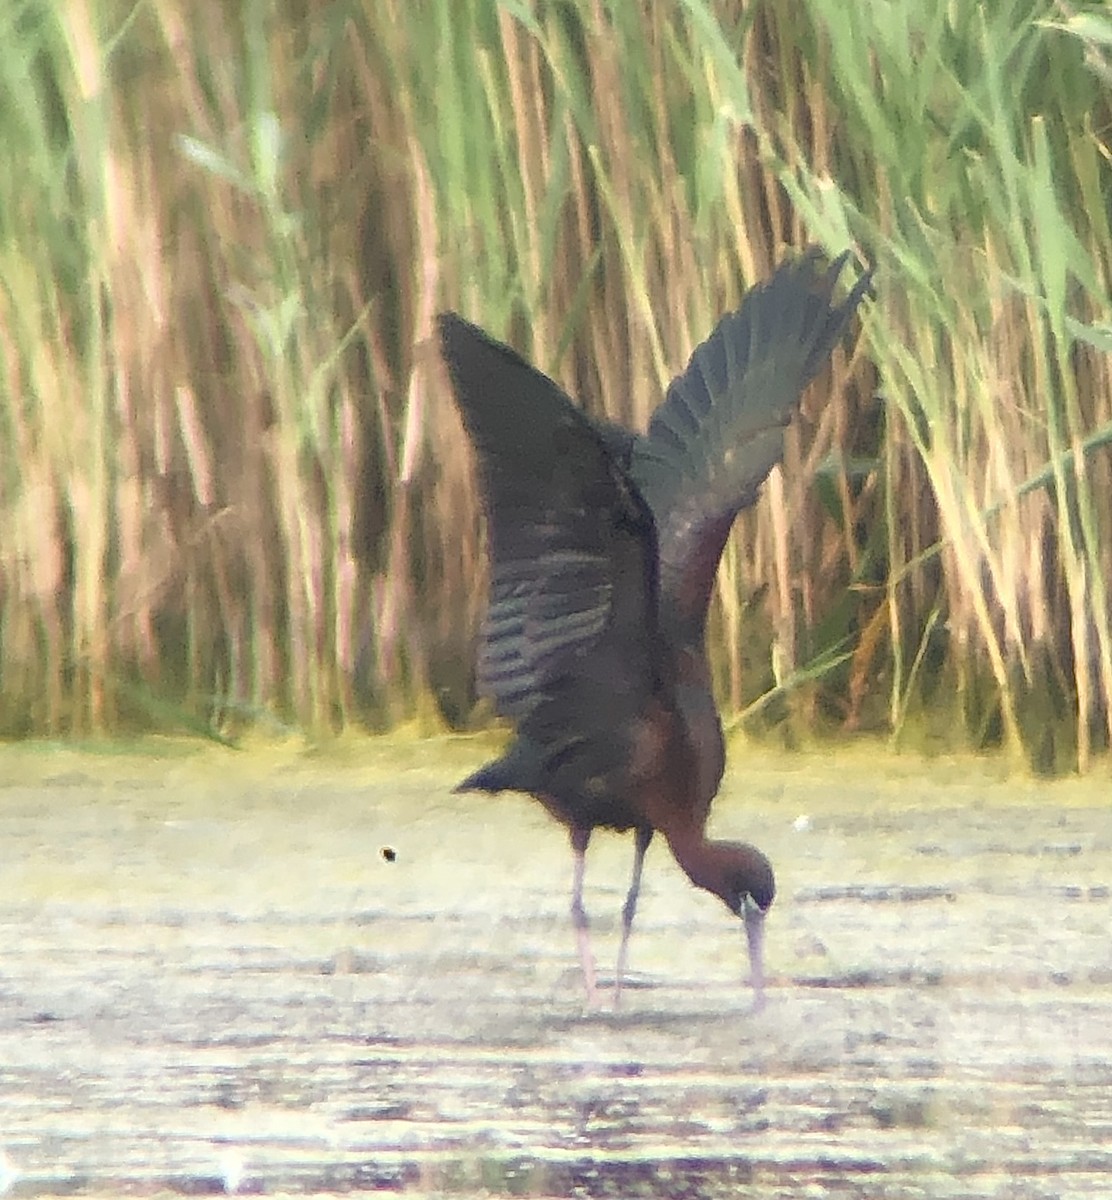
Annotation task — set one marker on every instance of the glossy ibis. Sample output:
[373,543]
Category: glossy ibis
[604,546]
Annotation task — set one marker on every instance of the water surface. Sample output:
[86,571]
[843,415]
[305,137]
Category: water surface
[212,980]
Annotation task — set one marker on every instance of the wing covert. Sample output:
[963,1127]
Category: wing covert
[572,542]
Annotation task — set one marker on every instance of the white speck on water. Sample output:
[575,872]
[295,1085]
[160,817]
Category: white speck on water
[802,823]
[9,1173]
[232,1170]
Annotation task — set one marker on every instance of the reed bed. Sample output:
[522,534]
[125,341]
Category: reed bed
[234,491]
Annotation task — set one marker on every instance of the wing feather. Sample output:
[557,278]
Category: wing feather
[720,428]
[567,645]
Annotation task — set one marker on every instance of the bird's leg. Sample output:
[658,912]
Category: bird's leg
[579,839]
[644,836]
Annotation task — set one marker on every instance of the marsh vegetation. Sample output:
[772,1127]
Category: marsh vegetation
[233,488]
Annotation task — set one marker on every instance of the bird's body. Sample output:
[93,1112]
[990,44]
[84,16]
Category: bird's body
[604,546]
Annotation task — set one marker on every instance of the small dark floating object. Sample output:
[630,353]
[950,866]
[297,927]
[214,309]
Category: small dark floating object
[389,854]
[867,978]
[875,893]
[604,545]
[1077,891]
[384,1110]
[211,1185]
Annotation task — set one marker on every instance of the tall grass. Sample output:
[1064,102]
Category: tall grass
[236,488]
[974,180]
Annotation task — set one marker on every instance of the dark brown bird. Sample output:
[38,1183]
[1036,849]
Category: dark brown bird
[603,546]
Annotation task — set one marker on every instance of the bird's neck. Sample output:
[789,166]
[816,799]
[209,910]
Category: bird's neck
[705,862]
[729,870]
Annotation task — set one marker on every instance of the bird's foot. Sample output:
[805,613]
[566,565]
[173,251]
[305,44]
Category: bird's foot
[592,999]
[760,996]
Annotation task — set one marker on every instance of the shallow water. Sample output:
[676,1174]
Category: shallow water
[212,980]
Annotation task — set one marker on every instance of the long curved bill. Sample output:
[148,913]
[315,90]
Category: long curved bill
[754,932]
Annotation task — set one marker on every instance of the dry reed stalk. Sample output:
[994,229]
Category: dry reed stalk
[396,597]
[348,464]
[526,104]
[783,604]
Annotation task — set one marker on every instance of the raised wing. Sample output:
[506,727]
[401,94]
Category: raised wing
[720,428]
[572,546]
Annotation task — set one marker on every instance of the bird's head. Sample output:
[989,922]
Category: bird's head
[747,880]
[751,890]
[741,876]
